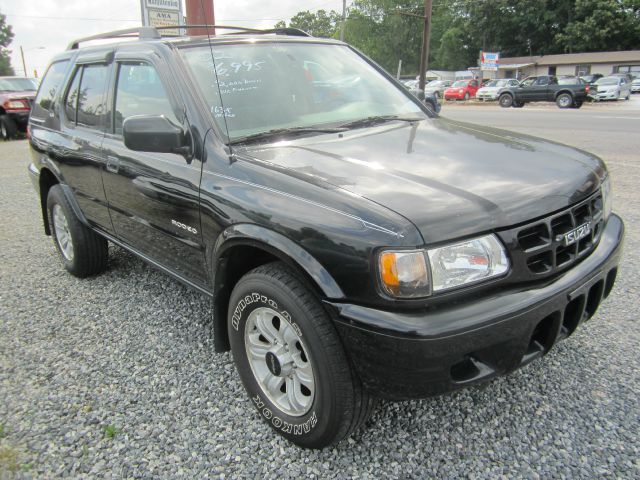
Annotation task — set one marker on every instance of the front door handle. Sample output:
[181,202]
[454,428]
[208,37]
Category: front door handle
[113,164]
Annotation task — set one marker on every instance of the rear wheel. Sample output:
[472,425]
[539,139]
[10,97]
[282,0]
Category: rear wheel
[564,100]
[505,100]
[8,128]
[82,251]
[291,360]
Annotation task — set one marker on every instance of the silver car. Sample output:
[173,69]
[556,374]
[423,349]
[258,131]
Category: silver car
[491,89]
[635,85]
[437,87]
[611,88]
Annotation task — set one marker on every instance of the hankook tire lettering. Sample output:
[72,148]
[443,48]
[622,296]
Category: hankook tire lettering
[256,297]
[277,422]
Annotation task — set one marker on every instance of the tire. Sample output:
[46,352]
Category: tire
[466,96]
[8,128]
[320,401]
[564,100]
[82,251]
[505,100]
[517,104]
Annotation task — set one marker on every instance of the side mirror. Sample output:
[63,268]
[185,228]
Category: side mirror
[154,133]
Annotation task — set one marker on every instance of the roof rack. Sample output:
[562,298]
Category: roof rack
[152,33]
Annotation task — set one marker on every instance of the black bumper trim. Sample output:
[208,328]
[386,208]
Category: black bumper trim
[415,354]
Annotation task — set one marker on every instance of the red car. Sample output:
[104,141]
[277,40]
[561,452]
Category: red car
[461,90]
[16,95]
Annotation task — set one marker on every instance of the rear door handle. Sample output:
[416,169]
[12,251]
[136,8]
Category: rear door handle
[113,164]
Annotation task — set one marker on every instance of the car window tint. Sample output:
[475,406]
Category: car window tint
[139,91]
[71,100]
[91,95]
[50,84]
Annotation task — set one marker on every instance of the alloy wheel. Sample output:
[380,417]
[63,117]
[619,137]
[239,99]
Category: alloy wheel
[63,235]
[279,361]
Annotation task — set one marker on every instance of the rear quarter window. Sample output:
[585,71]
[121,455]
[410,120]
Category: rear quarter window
[49,87]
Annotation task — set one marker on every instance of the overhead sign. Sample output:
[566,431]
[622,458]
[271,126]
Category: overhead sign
[490,61]
[162,13]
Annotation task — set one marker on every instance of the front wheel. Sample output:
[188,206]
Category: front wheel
[505,100]
[82,251]
[564,100]
[291,360]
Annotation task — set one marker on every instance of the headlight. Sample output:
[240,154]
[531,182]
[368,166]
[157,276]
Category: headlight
[460,91]
[607,205]
[467,262]
[406,274]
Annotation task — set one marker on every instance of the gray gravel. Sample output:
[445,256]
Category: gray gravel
[115,376]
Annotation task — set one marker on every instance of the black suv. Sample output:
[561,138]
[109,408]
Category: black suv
[566,91]
[355,246]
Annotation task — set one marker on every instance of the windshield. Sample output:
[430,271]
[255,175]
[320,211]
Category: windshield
[18,84]
[270,86]
[607,81]
[498,83]
[460,83]
[435,83]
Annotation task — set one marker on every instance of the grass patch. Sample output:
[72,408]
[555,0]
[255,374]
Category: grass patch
[110,431]
[9,459]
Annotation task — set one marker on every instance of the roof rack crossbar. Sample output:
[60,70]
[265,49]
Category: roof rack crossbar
[153,33]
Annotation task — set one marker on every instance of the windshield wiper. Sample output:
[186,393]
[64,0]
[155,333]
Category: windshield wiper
[286,131]
[375,119]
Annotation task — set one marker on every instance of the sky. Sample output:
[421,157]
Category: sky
[45,27]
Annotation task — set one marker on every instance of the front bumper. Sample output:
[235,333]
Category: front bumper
[609,95]
[401,355]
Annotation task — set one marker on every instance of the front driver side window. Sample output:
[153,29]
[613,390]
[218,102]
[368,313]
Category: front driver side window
[139,91]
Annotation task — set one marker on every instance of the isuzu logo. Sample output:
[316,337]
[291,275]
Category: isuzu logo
[184,227]
[572,236]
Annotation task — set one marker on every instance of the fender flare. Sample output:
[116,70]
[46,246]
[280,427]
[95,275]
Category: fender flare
[273,243]
[281,247]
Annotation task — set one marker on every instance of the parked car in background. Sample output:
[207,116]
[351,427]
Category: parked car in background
[592,79]
[635,85]
[410,84]
[491,90]
[16,96]
[437,87]
[627,76]
[567,92]
[461,90]
[611,88]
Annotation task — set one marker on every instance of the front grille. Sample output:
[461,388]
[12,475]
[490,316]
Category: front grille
[538,249]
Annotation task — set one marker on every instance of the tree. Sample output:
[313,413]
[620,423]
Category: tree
[6,36]
[318,24]
[599,25]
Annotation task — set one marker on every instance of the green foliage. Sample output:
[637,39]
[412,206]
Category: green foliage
[598,25]
[318,24]
[6,36]
[461,28]
[110,431]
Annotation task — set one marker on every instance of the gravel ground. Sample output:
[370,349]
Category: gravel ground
[115,376]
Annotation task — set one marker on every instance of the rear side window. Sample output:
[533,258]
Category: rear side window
[48,88]
[91,95]
[84,102]
[139,91]
[71,102]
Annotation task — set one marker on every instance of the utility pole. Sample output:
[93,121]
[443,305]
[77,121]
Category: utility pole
[424,52]
[200,12]
[24,66]
[344,19]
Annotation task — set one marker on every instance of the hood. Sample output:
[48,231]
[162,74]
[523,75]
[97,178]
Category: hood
[450,179]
